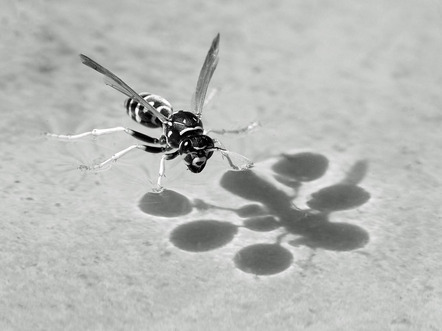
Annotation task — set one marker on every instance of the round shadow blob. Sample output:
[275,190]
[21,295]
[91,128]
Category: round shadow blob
[263,259]
[334,237]
[338,197]
[201,236]
[303,167]
[304,223]
[262,223]
[250,210]
[166,203]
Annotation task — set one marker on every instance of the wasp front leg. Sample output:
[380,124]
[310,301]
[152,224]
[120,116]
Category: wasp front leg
[162,171]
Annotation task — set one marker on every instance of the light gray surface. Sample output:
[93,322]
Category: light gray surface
[349,80]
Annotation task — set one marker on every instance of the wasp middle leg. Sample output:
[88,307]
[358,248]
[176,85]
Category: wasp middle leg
[118,155]
[252,126]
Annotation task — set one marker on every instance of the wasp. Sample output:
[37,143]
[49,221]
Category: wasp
[182,131]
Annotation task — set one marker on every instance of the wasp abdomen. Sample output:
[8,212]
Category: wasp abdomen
[143,116]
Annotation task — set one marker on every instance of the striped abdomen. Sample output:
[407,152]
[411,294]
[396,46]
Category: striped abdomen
[139,114]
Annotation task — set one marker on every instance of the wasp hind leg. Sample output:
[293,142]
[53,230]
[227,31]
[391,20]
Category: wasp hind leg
[100,132]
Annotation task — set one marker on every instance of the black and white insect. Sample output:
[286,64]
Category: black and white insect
[183,132]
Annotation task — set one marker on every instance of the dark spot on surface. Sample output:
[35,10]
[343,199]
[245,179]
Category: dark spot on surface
[333,236]
[304,223]
[263,259]
[338,197]
[248,185]
[293,183]
[201,236]
[166,203]
[46,68]
[356,173]
[262,224]
[250,210]
[303,167]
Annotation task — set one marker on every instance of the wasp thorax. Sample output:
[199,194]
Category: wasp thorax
[181,125]
[196,150]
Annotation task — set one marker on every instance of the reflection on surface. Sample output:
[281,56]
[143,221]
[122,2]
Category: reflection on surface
[271,209]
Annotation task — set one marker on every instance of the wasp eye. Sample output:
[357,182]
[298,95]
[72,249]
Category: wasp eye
[186,146]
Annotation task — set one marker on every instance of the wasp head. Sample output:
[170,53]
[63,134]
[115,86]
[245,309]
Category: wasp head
[196,150]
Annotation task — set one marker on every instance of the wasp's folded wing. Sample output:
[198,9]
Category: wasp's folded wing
[118,84]
[205,76]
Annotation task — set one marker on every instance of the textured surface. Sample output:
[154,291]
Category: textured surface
[345,80]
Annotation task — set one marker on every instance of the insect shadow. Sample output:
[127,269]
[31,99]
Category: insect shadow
[271,209]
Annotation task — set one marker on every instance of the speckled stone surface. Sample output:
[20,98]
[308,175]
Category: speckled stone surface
[349,97]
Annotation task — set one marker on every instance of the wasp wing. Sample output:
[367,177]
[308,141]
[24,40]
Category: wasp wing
[113,81]
[206,74]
